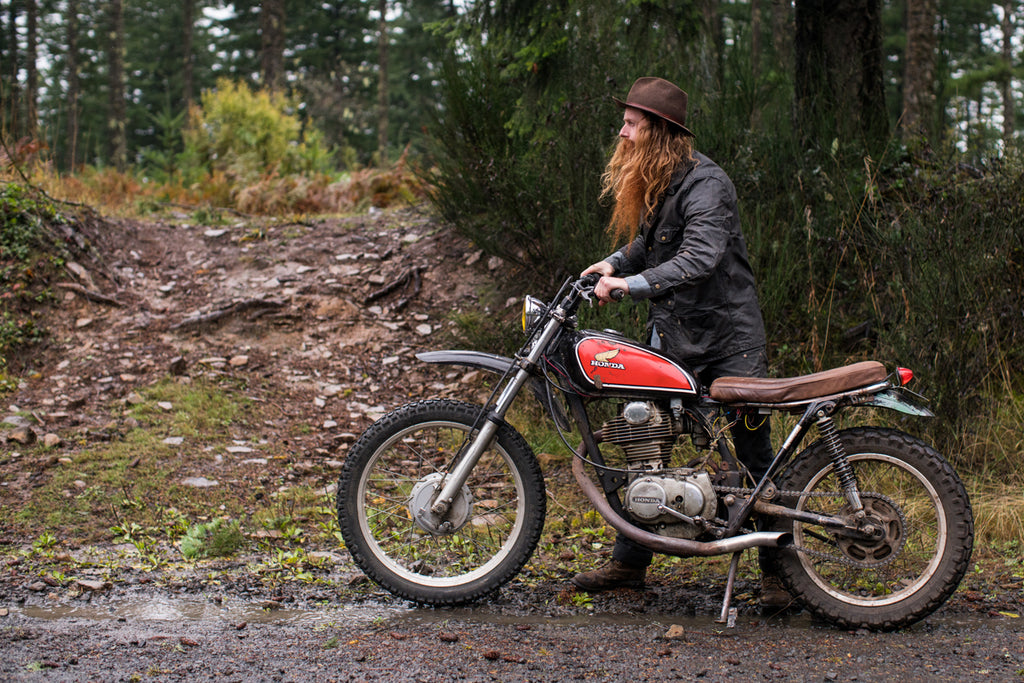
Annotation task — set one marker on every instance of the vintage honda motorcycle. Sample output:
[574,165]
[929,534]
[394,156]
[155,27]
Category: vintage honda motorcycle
[442,502]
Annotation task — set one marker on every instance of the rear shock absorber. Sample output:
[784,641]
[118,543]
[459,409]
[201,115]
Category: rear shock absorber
[840,463]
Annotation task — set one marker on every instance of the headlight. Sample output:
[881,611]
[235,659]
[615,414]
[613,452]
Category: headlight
[532,310]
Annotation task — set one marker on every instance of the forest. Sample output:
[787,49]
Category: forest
[875,145]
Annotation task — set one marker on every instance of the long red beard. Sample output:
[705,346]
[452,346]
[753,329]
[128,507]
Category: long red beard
[628,186]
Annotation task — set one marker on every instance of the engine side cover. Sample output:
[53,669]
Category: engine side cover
[687,492]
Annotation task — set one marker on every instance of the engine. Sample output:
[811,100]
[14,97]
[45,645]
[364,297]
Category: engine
[672,501]
[675,502]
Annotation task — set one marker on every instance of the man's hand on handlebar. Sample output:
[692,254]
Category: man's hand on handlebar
[608,288]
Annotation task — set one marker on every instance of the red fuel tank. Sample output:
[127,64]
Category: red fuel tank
[610,362]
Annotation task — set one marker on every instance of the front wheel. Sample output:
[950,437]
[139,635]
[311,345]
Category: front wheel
[920,512]
[391,475]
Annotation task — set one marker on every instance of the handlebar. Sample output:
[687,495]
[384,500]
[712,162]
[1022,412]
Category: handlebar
[590,280]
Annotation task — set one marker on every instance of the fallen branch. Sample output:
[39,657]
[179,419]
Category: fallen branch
[90,294]
[412,274]
[200,319]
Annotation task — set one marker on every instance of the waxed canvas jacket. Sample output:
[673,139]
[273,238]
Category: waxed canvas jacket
[693,259]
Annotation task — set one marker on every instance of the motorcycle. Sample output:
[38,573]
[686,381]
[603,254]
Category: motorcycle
[442,502]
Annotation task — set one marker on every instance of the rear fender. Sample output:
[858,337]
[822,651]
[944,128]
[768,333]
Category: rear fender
[499,365]
[898,400]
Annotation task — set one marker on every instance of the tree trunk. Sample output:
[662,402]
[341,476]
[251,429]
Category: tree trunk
[919,74]
[755,39]
[116,113]
[713,38]
[188,8]
[73,84]
[382,85]
[10,97]
[31,69]
[272,43]
[840,91]
[782,33]
[1009,112]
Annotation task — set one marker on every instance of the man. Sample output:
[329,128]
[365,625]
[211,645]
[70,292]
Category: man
[677,212]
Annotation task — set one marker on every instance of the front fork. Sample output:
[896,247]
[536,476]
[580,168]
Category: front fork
[456,478]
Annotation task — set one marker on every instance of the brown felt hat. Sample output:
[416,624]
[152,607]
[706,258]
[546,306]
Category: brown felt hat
[659,97]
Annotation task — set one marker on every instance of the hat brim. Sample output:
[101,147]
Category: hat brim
[654,112]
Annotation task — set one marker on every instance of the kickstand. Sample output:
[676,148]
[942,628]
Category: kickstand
[728,616]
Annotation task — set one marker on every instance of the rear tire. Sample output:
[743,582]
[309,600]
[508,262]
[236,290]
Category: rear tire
[889,583]
[496,520]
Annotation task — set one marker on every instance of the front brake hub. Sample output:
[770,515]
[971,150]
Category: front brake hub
[422,498]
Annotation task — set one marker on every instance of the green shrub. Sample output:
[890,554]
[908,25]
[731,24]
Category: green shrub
[216,538]
[248,134]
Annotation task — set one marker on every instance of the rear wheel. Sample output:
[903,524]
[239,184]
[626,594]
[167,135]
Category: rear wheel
[923,532]
[392,474]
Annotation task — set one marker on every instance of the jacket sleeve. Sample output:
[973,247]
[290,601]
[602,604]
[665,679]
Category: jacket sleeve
[629,260]
[705,216]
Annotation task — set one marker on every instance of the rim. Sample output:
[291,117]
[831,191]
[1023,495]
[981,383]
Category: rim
[405,549]
[925,532]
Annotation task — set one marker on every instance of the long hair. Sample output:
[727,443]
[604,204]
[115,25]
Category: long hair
[638,174]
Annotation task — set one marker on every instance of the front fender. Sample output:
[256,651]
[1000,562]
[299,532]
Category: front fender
[499,365]
[473,359]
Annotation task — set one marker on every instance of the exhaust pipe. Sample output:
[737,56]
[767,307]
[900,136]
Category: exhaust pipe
[680,547]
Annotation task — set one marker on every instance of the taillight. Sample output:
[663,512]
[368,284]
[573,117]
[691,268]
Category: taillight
[905,375]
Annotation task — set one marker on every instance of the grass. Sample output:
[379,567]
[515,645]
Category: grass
[130,488]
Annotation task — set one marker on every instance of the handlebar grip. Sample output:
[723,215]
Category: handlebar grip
[617,294]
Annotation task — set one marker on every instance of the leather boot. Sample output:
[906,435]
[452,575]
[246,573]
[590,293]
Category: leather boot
[612,575]
[773,594]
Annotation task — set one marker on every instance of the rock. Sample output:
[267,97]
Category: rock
[177,366]
[134,399]
[83,322]
[165,405]
[51,440]
[424,329]
[200,482]
[675,631]
[238,361]
[94,586]
[16,421]
[329,390]
[23,435]
[82,274]
[174,441]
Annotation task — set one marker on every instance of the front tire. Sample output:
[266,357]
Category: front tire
[894,581]
[495,522]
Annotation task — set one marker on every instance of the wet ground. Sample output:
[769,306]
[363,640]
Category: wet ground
[165,637]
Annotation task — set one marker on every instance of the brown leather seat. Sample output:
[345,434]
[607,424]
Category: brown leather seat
[797,389]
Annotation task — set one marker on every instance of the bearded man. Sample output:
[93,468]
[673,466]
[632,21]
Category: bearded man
[676,211]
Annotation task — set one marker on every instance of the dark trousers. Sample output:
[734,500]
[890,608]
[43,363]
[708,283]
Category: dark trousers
[751,437]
